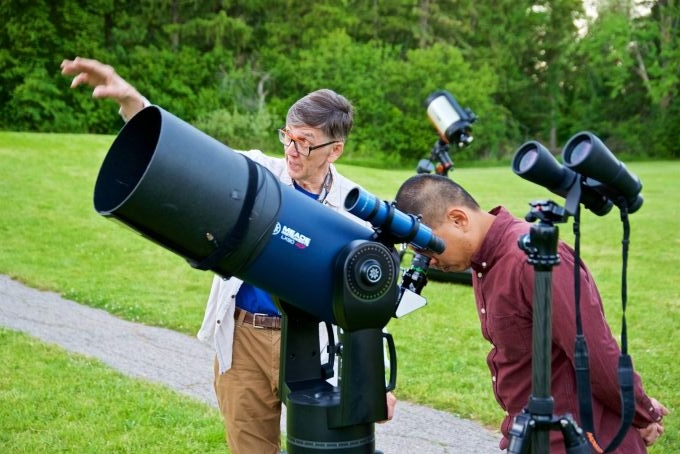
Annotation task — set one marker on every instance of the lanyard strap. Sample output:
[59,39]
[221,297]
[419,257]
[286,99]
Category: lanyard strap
[625,366]
[326,187]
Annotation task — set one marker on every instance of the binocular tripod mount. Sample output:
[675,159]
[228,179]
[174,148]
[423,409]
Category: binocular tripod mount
[531,428]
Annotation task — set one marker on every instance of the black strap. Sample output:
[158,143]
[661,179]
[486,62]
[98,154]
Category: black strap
[626,379]
[238,232]
[627,385]
[581,347]
[625,366]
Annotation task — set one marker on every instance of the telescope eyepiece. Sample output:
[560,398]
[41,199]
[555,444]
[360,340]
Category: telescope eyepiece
[399,226]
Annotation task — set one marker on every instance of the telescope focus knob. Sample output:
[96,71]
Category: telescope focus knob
[367,294]
[371,272]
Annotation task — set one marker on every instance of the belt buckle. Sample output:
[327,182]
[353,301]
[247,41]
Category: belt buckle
[261,314]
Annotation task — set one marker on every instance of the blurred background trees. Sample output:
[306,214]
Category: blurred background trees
[540,70]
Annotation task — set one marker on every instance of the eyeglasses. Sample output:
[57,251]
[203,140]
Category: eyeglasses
[301,145]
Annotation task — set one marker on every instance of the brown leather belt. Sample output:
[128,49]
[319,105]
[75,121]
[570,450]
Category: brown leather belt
[257,320]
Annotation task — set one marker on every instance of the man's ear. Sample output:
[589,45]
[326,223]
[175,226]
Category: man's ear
[458,217]
[336,152]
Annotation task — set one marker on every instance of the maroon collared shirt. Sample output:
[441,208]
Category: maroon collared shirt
[503,283]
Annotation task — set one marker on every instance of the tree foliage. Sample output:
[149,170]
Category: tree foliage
[233,67]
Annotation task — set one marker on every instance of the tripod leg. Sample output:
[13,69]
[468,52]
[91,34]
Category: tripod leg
[520,434]
[574,440]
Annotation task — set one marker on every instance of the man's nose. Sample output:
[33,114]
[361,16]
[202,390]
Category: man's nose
[290,149]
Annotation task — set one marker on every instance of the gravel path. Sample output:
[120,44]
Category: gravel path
[135,349]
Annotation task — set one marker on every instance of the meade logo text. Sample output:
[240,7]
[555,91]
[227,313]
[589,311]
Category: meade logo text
[292,236]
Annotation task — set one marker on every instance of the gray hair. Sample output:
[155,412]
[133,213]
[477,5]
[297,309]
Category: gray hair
[326,110]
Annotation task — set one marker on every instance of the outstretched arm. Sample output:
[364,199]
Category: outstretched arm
[106,82]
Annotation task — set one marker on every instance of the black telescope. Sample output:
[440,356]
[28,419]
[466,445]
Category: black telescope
[223,212]
[533,162]
[586,154]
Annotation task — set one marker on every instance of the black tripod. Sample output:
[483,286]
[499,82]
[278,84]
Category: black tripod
[531,427]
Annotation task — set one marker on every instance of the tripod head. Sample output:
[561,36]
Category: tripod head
[546,211]
[540,244]
[439,161]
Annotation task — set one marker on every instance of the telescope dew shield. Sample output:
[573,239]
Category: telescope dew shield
[182,189]
[190,193]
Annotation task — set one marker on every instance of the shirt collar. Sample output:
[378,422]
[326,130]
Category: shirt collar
[489,253]
[335,198]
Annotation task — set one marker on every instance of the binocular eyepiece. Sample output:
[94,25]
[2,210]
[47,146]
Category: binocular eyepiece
[603,179]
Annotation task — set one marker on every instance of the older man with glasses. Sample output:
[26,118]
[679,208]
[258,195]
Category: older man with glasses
[241,321]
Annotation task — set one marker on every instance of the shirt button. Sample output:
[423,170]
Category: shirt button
[483,264]
[219,321]
[493,379]
[479,274]
[483,311]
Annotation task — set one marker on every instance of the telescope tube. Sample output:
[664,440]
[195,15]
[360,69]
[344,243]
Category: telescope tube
[219,210]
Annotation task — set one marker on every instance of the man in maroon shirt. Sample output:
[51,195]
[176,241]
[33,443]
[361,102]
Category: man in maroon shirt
[503,283]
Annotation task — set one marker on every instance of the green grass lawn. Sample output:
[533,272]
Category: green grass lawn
[53,239]
[54,401]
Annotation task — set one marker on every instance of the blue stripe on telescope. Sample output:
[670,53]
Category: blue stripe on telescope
[397,223]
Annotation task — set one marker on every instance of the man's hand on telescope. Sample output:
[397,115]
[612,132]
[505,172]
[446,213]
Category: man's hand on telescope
[391,403]
[106,82]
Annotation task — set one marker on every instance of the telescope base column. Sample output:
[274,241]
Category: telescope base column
[308,430]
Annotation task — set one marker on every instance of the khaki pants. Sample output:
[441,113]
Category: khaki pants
[247,393]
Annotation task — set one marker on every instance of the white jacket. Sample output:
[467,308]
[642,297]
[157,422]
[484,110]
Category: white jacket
[218,321]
